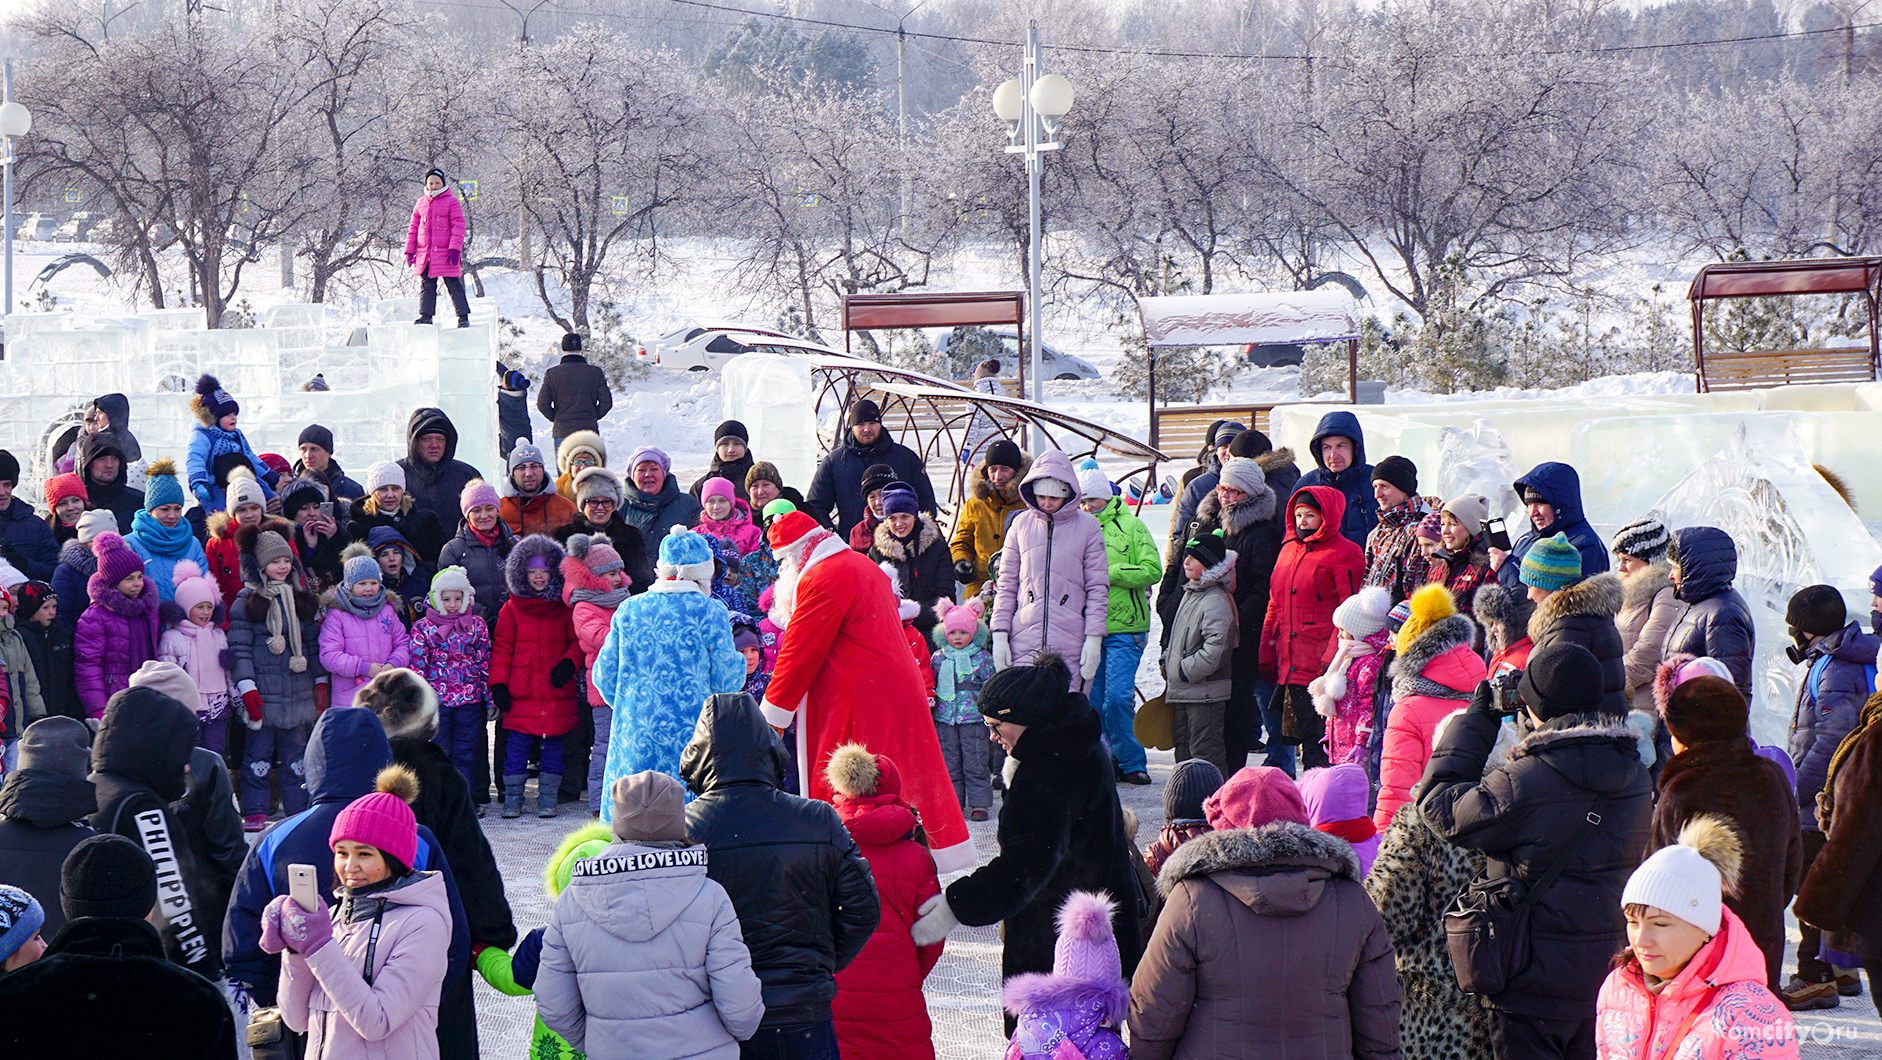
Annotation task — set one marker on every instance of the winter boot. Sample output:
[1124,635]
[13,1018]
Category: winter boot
[463,322]
[548,793]
[422,320]
[513,795]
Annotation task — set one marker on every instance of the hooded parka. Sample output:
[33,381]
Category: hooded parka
[1055,583]
[1311,577]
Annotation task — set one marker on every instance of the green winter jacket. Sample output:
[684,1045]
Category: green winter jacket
[1135,567]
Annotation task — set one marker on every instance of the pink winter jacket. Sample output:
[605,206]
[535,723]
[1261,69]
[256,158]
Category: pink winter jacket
[1742,1021]
[1055,582]
[349,645]
[738,530]
[437,227]
[591,630]
[396,1015]
[1350,727]
[1436,674]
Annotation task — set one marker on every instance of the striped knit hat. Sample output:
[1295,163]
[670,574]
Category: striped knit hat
[1551,563]
[1643,539]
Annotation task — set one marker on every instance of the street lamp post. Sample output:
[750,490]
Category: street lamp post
[15,121]
[1031,105]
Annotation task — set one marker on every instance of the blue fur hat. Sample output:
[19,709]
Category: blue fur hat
[684,554]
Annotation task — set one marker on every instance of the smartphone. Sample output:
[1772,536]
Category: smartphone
[326,510]
[303,886]
[1497,534]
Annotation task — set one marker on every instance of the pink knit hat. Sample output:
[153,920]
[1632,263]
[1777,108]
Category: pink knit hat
[961,618]
[116,561]
[1431,527]
[192,587]
[383,820]
[717,487]
[1254,796]
[476,493]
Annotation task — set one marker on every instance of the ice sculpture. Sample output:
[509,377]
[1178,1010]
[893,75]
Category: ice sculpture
[1475,459]
[776,400]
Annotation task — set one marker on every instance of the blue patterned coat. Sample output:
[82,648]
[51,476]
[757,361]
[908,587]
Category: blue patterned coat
[667,650]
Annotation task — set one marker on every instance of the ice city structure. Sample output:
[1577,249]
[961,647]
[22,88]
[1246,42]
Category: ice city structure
[57,362]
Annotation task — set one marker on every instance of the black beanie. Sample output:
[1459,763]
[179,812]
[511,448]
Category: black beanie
[1816,609]
[107,875]
[316,434]
[1209,549]
[1003,453]
[1030,695]
[864,411]
[1399,472]
[1250,444]
[9,468]
[876,476]
[1561,678]
[1193,780]
[571,342]
[731,429]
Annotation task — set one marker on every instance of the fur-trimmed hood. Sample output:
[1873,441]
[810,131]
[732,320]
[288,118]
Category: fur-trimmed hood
[981,490]
[1263,867]
[926,534]
[1639,588]
[1600,595]
[1275,458]
[1408,669]
[1258,506]
[404,701]
[516,567]
[245,546]
[1567,739]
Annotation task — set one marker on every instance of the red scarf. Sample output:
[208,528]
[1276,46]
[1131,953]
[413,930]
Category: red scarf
[488,540]
[1357,830]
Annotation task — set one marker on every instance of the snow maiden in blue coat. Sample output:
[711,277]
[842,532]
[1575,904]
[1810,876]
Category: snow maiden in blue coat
[216,446]
[667,650]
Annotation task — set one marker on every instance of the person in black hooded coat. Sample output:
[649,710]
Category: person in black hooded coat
[1583,613]
[46,804]
[433,486]
[1061,827]
[113,492]
[50,648]
[138,763]
[1717,622]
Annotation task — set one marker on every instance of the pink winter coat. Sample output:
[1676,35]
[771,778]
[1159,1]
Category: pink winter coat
[737,530]
[349,645]
[396,1015]
[1741,1021]
[1350,728]
[1436,674]
[437,227]
[1055,582]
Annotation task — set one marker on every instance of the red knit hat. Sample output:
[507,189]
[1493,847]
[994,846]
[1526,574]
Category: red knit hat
[59,487]
[1254,796]
[383,820]
[789,529]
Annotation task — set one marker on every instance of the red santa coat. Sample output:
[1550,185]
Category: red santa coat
[845,669]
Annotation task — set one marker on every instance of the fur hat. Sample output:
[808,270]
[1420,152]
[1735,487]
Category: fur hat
[960,618]
[598,482]
[1470,510]
[647,454]
[449,579]
[1192,781]
[763,471]
[529,551]
[1817,610]
[1092,482]
[649,806]
[1430,604]
[476,494]
[855,772]
[161,486]
[595,552]
[384,473]
[1643,539]
[1255,796]
[59,487]
[1031,695]
[244,489]
[1243,474]
[404,701]
[1691,878]
[383,820]
[300,493]
[1363,613]
[686,556]
[1398,472]
[577,443]
[1551,563]
[107,875]
[1509,607]
[211,402]
[1562,677]
[116,561]
[168,678]
[1706,710]
[95,521]
[192,586]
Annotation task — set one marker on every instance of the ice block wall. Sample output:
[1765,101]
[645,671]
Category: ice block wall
[776,400]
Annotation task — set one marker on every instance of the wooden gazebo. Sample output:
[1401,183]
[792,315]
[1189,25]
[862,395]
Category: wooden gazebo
[1755,369]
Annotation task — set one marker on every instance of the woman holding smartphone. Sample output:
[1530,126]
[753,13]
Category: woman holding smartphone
[317,532]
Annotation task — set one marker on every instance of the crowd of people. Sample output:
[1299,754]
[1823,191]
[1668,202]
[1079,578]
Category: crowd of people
[1508,803]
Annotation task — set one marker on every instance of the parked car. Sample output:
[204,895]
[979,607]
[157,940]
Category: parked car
[75,226]
[1057,365]
[36,226]
[1273,355]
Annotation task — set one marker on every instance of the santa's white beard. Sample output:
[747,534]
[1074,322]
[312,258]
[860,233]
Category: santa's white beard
[784,590]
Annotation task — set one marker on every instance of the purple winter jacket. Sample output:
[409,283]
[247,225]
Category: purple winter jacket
[115,636]
[1055,582]
[349,645]
[437,228]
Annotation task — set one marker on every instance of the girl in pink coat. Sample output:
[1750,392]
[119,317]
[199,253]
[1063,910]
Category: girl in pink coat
[726,517]
[594,583]
[434,248]
[1054,588]
[1692,981]
[361,633]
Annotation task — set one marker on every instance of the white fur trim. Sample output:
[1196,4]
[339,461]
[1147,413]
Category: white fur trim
[776,716]
[1008,771]
[908,609]
[675,585]
[958,858]
[831,545]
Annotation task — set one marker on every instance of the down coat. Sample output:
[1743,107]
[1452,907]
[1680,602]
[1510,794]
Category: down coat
[534,633]
[1055,583]
[350,645]
[1311,576]
[43,815]
[1202,638]
[1584,613]
[1436,674]
[437,227]
[922,570]
[591,619]
[1830,698]
[115,636]
[1522,815]
[1717,621]
[76,566]
[1649,608]
[1560,485]
[287,697]
[644,958]
[1740,1018]
[980,527]
[483,566]
[1267,946]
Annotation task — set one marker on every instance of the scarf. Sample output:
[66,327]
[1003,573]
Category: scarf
[1325,698]
[488,540]
[964,662]
[1357,830]
[170,542]
[456,620]
[1826,799]
[205,662]
[606,599]
[360,606]
[284,632]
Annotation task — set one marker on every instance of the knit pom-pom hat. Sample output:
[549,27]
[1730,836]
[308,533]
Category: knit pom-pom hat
[855,772]
[595,552]
[383,820]
[1691,878]
[211,402]
[244,489]
[116,561]
[961,618]
[1429,605]
[161,485]
[59,487]
[192,586]
[1086,949]
[476,494]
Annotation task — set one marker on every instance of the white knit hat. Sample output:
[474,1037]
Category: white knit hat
[384,473]
[1689,878]
[1243,474]
[1050,487]
[94,522]
[1363,613]
[1092,482]
[243,489]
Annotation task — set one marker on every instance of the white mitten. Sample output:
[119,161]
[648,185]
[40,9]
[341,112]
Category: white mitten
[254,724]
[1002,651]
[935,922]
[1091,658]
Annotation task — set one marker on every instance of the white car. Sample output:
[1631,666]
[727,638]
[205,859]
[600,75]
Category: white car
[703,349]
[1057,365]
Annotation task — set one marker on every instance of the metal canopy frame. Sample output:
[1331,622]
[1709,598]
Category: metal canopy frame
[864,312]
[1763,279]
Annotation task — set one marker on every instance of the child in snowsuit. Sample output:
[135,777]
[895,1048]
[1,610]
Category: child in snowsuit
[879,1010]
[751,645]
[361,633]
[1343,695]
[594,584]
[1317,570]
[195,641]
[726,517]
[362,979]
[118,632]
[1085,999]
[533,662]
[274,634]
[1196,659]
[217,447]
[450,649]
[962,666]
[1693,981]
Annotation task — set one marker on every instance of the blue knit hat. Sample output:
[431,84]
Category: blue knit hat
[161,486]
[359,569]
[1551,563]
[684,554]
[21,917]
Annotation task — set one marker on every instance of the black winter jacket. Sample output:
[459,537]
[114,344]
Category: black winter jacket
[923,578]
[1522,815]
[27,541]
[104,985]
[1718,623]
[1583,614]
[115,496]
[483,565]
[627,541]
[50,648]
[1061,830]
[208,816]
[340,486]
[435,487]
[804,895]
[1829,706]
[1253,530]
[420,528]
[733,472]
[444,806]
[46,814]
[838,484]
[574,395]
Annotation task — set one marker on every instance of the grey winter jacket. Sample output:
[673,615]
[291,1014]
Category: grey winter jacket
[287,697]
[1718,622]
[1829,704]
[1267,946]
[644,958]
[656,515]
[1202,638]
[483,566]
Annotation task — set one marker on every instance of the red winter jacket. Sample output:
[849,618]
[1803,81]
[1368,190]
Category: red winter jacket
[879,1009]
[533,635]
[1310,579]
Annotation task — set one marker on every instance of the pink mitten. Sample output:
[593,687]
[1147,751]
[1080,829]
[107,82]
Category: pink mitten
[271,925]
[303,931]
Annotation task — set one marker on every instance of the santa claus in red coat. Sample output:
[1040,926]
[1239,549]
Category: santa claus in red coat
[844,672]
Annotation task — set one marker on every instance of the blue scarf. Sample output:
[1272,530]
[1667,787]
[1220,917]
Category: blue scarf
[965,661]
[170,542]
